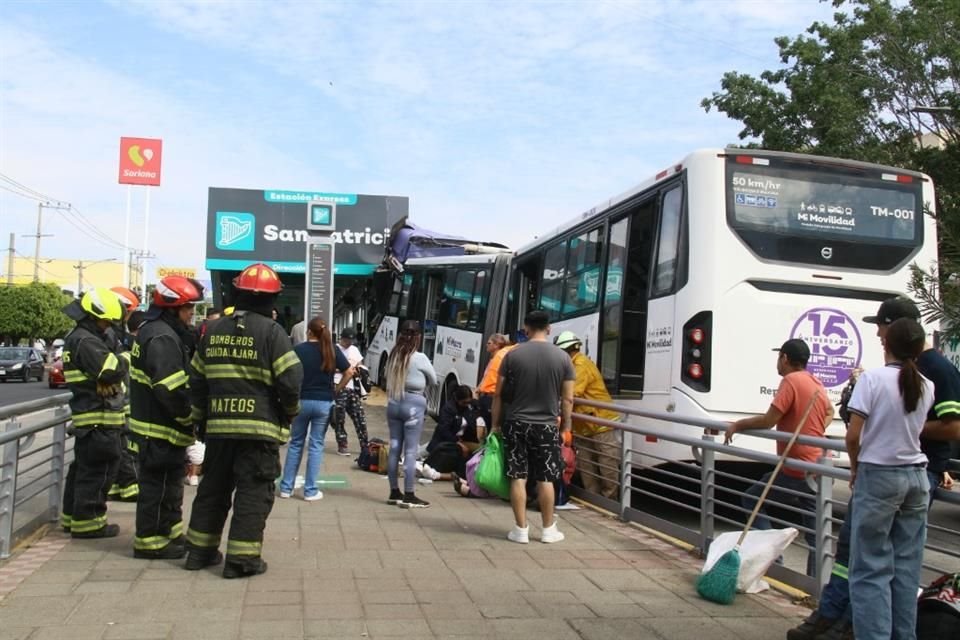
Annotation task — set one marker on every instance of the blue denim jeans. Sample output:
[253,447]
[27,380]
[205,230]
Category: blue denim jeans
[405,419]
[312,419]
[887,534]
[807,503]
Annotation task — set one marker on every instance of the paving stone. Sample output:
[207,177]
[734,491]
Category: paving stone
[622,629]
[557,580]
[516,609]
[615,580]
[388,597]
[71,632]
[104,587]
[141,631]
[468,611]
[117,608]
[17,633]
[272,629]
[272,612]
[398,628]
[392,612]
[36,611]
[693,629]
[204,630]
[273,597]
[523,629]
[450,596]
[616,610]
[333,611]
[758,628]
[25,589]
[334,629]
[448,628]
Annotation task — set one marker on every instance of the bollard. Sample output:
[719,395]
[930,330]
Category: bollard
[824,527]
[707,497]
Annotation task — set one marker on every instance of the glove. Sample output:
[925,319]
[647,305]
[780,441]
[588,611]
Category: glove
[109,390]
[200,431]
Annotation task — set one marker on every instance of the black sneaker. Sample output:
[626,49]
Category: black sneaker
[231,571]
[839,630]
[410,501]
[170,552]
[107,531]
[197,560]
[814,625]
[395,497]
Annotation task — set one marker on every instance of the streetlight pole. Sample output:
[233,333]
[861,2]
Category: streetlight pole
[80,267]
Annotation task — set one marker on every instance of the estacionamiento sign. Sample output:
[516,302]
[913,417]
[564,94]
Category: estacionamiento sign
[251,225]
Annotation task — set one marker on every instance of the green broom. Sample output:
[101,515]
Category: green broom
[719,583]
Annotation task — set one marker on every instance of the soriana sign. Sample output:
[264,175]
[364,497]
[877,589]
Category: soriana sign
[140,161]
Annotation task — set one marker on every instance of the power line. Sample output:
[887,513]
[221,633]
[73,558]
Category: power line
[49,273]
[23,187]
[21,194]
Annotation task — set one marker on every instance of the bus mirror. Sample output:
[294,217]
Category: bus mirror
[382,290]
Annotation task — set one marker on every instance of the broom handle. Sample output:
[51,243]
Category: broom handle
[776,470]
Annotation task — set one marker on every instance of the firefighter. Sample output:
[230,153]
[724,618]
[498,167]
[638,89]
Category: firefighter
[95,376]
[245,387]
[125,487]
[160,418]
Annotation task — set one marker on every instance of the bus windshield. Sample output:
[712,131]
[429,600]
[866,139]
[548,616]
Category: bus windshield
[819,205]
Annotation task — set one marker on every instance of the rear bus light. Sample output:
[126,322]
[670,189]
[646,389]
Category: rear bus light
[695,364]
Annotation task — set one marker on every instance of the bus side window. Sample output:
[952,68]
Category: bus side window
[551,294]
[668,246]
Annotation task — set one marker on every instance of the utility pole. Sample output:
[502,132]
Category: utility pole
[12,252]
[79,269]
[39,234]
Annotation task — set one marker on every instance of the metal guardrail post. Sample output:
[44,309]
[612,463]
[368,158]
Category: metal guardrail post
[8,489]
[824,527]
[707,497]
[58,463]
[626,443]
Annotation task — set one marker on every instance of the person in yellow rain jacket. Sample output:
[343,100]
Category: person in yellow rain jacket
[598,454]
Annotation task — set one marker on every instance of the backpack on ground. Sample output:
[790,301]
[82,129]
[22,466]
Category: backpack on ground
[369,458]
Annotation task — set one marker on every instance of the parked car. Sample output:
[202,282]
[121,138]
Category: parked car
[55,378]
[20,363]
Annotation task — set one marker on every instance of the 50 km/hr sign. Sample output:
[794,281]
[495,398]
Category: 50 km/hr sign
[319,298]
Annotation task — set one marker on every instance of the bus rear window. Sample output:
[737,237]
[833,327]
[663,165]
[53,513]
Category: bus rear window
[814,214]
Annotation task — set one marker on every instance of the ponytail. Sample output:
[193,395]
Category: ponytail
[904,341]
[319,329]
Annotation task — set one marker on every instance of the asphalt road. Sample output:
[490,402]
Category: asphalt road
[13,392]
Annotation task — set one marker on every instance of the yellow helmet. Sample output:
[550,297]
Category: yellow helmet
[103,304]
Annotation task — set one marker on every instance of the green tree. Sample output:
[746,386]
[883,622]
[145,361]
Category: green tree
[879,84]
[33,311]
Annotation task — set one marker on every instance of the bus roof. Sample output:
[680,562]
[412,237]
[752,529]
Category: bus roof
[479,258]
[674,169]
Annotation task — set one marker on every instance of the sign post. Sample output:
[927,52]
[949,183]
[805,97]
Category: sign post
[140,163]
[321,222]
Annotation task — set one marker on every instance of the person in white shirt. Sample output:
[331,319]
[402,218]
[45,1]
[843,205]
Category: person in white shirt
[888,475]
[350,399]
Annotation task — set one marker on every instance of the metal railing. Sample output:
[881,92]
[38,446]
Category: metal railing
[33,461]
[693,499]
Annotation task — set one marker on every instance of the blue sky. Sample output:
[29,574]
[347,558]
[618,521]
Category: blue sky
[498,119]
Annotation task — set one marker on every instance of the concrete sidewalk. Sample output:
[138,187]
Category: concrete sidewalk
[351,566]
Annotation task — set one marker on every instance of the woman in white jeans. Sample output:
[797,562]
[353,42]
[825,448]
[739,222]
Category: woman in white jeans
[890,488]
[409,371]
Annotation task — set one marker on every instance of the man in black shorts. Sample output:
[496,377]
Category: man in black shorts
[534,387]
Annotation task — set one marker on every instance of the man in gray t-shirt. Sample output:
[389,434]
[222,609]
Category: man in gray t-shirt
[534,389]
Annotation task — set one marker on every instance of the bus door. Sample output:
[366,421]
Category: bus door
[625,299]
[432,312]
[663,338]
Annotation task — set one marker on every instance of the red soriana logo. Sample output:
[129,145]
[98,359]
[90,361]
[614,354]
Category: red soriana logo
[140,161]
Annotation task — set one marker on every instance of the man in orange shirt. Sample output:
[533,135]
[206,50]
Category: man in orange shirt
[796,389]
[498,345]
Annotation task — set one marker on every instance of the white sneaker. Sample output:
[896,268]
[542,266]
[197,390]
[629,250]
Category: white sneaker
[317,496]
[430,472]
[551,534]
[193,481]
[518,535]
[566,507]
[284,494]
[418,465]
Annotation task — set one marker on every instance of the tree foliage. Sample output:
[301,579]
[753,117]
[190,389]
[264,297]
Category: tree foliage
[33,311]
[852,89]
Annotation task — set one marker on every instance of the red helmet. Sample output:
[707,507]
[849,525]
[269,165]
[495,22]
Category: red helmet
[128,298]
[258,278]
[177,291]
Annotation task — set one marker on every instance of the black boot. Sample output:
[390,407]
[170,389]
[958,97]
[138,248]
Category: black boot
[107,531]
[170,552]
[231,570]
[395,497]
[201,559]
[814,625]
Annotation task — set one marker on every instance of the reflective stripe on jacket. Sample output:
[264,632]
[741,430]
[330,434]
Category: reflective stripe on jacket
[87,363]
[590,386]
[160,402]
[245,379]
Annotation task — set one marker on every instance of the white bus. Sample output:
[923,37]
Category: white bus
[681,287]
[459,303]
